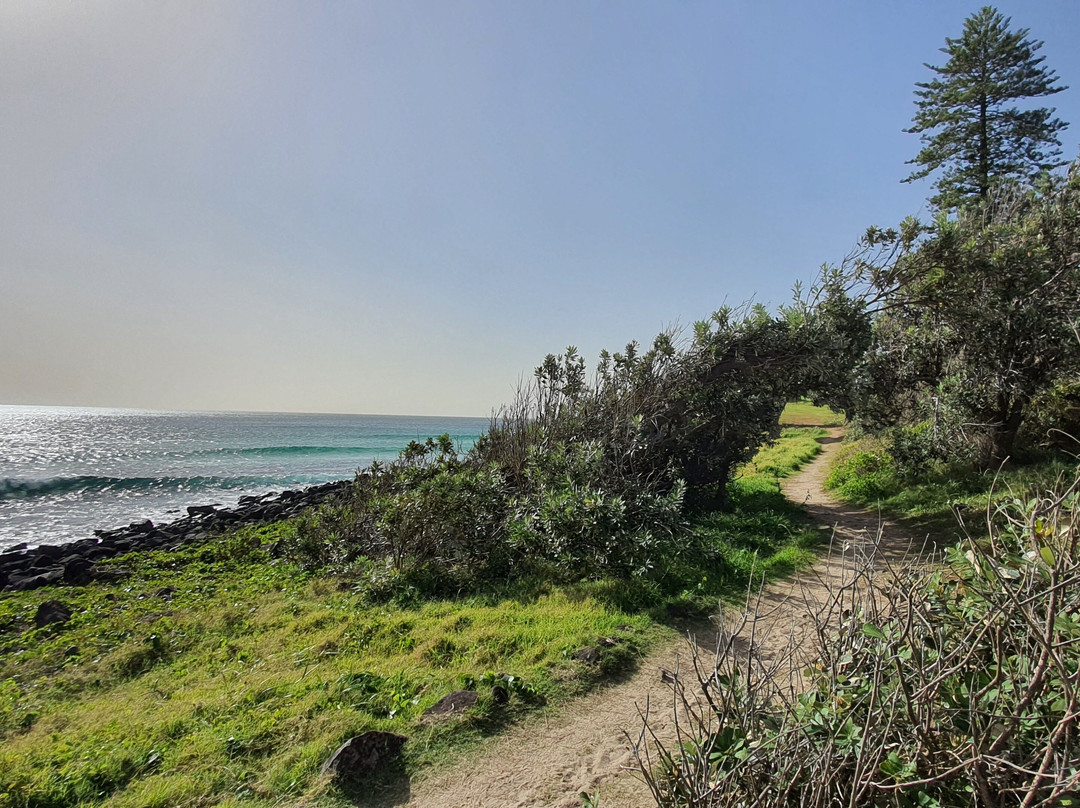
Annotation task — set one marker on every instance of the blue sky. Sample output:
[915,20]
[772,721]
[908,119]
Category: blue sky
[401,207]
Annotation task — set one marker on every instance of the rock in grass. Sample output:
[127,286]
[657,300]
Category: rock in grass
[590,656]
[453,703]
[360,756]
[78,571]
[51,611]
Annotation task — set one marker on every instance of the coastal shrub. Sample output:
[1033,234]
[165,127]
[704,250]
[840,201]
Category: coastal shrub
[585,476]
[571,513]
[863,472]
[949,687]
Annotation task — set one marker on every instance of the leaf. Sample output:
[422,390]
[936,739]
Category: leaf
[870,630]
[1047,555]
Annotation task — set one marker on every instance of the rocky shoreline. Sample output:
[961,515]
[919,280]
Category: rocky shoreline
[23,568]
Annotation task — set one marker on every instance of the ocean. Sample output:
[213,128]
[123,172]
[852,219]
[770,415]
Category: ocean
[66,471]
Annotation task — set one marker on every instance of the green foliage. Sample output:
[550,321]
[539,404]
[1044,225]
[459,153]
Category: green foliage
[948,687]
[979,318]
[1054,420]
[863,473]
[966,118]
[586,478]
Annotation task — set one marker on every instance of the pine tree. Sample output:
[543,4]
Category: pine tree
[965,116]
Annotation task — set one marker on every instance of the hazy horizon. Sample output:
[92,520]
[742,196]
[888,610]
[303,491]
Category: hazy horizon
[401,208]
[181,410]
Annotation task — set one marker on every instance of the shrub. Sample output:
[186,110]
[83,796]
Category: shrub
[948,688]
[863,472]
[586,478]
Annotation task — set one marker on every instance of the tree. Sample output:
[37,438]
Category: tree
[978,315]
[966,119]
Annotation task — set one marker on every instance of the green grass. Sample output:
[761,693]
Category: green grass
[803,413]
[760,533]
[217,675]
[237,685]
[863,474]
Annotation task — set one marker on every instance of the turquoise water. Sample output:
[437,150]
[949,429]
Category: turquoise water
[66,471]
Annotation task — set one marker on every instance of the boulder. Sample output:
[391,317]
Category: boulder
[47,552]
[78,571]
[201,510]
[50,612]
[453,703]
[36,580]
[590,656]
[361,756]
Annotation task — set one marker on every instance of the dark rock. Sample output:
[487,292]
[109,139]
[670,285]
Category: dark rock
[11,558]
[42,562]
[37,580]
[590,656]
[47,551]
[17,564]
[46,564]
[360,756]
[453,703]
[51,611]
[166,592]
[72,650]
[500,695]
[78,571]
[609,642]
[116,546]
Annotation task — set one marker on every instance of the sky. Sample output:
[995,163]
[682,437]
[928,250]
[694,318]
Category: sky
[401,207]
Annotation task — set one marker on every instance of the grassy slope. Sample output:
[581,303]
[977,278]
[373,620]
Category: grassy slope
[218,676]
[803,413]
[863,475]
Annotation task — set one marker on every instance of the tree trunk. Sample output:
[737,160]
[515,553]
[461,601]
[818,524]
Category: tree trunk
[984,150]
[1003,434]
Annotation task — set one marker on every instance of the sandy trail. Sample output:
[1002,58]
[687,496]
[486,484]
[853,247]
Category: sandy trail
[548,761]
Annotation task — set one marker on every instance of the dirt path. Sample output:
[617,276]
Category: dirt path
[547,762]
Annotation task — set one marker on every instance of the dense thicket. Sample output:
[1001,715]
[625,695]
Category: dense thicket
[976,325]
[590,474]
